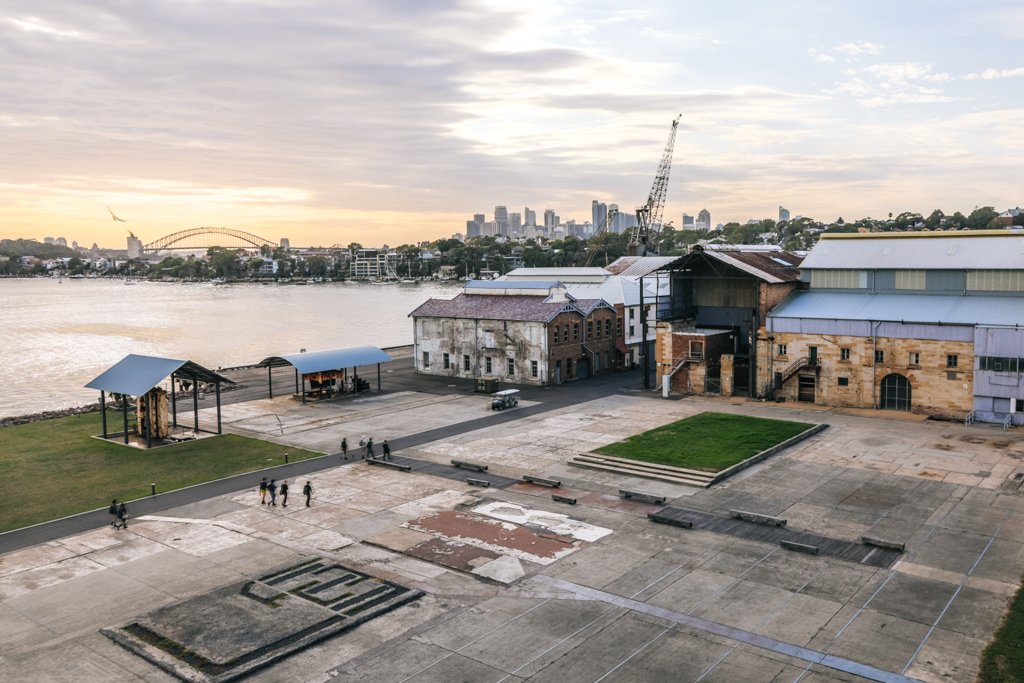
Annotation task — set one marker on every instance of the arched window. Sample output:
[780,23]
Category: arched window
[895,393]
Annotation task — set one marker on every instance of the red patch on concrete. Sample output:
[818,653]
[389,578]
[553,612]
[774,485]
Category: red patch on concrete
[467,527]
[460,556]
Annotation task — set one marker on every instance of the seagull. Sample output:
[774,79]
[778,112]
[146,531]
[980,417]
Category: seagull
[120,220]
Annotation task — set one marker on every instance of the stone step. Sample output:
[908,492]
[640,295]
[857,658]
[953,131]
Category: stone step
[642,473]
[654,467]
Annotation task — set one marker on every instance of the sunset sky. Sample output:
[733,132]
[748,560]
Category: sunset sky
[379,122]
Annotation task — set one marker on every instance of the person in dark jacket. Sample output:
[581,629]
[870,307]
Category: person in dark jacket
[113,513]
[263,491]
[386,450]
[284,493]
[344,448]
[122,516]
[307,491]
[272,490]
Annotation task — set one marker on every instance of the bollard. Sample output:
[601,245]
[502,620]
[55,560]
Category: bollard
[286,458]
[152,489]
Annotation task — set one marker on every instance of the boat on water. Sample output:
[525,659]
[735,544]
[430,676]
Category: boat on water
[218,281]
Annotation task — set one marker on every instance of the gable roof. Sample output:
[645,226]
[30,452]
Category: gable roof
[638,266]
[494,307]
[945,250]
[773,266]
[134,375]
[330,359]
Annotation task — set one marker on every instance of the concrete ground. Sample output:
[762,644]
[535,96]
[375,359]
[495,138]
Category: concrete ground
[517,587]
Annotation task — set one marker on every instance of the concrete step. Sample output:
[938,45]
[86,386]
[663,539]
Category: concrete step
[652,466]
[638,472]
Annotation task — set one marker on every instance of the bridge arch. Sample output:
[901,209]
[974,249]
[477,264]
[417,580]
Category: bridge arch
[176,238]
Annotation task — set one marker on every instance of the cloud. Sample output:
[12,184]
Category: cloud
[990,74]
[857,49]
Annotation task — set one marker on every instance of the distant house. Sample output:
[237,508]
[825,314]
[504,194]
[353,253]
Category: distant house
[528,332]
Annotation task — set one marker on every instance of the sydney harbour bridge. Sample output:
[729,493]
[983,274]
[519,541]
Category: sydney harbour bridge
[195,239]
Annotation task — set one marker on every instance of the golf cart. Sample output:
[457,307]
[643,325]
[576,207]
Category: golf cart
[506,398]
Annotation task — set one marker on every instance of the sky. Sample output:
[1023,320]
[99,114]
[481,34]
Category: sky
[394,121]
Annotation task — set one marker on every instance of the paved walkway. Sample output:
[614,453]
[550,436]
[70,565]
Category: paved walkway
[616,597]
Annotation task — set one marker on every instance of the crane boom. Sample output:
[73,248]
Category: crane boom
[648,216]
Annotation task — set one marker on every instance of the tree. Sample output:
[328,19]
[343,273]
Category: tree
[982,218]
[935,220]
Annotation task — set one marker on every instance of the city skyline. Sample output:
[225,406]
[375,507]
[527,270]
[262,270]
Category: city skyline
[391,123]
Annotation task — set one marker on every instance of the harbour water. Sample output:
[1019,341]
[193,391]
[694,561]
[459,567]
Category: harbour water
[57,336]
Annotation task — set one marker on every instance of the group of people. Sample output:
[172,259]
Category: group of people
[118,514]
[271,489]
[366,448]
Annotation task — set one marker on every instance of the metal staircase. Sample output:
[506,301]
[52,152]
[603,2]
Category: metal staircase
[780,378]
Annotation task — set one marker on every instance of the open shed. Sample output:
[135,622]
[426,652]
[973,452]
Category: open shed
[139,376]
[328,371]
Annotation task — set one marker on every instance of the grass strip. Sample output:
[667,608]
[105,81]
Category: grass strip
[56,468]
[1003,659]
[707,441]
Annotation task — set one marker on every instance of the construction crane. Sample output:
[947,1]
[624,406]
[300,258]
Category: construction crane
[644,236]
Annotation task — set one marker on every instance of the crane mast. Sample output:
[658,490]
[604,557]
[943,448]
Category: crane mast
[648,217]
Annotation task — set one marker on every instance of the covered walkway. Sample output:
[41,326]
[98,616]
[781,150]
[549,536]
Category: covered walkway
[138,376]
[327,371]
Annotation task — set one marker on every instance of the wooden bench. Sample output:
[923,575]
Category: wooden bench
[757,518]
[541,481]
[388,463]
[466,465]
[671,521]
[799,547]
[882,543]
[563,499]
[478,482]
[642,497]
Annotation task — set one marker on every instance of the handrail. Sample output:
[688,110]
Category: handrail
[971,417]
[776,382]
[679,362]
[1006,422]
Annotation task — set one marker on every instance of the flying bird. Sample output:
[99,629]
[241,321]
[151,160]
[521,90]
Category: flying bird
[119,220]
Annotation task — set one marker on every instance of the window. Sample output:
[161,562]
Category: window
[844,354]
[844,381]
[487,365]
[511,367]
[446,361]
[575,331]
[839,279]
[618,327]
[1018,404]
[782,350]
[607,327]
[568,367]
[533,368]
[426,359]
[632,313]
[951,360]
[879,356]
[554,334]
[590,329]
[565,333]
[915,358]
[632,332]
[465,362]
[696,349]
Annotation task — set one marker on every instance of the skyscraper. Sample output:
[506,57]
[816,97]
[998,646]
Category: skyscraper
[703,220]
[598,215]
[472,229]
[529,216]
[501,220]
[783,213]
[687,221]
[550,219]
[515,224]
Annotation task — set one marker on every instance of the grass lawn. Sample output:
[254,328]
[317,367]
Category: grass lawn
[707,441]
[54,468]
[1003,659]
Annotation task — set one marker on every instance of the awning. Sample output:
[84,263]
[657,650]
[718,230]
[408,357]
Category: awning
[332,359]
[134,375]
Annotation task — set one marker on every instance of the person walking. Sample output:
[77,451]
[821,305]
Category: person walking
[122,515]
[385,450]
[362,444]
[307,491]
[284,493]
[272,490]
[263,491]
[344,448]
[369,447]
[113,513]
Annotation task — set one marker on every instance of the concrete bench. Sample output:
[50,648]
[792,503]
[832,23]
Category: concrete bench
[388,463]
[642,497]
[541,481]
[671,521]
[882,543]
[478,482]
[563,499]
[757,518]
[466,465]
[799,547]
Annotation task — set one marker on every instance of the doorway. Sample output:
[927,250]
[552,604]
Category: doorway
[895,393]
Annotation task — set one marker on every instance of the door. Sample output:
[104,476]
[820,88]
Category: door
[805,388]
[894,393]
[812,356]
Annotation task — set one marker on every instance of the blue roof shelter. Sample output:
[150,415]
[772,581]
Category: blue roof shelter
[136,375]
[322,366]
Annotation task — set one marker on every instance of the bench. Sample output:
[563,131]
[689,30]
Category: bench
[882,543]
[671,521]
[388,463]
[799,547]
[478,482]
[541,481]
[563,499]
[757,518]
[642,497]
[466,465]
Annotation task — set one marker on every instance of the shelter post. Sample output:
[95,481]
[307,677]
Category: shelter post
[147,419]
[124,412]
[195,405]
[270,382]
[174,403]
[303,388]
[103,411]
[218,408]
[378,376]
[296,380]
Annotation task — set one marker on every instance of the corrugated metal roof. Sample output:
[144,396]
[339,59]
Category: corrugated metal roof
[566,273]
[910,308]
[639,266]
[988,250]
[331,359]
[512,284]
[134,375]
[771,265]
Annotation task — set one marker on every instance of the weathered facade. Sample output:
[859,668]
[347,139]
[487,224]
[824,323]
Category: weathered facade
[720,298]
[525,332]
[922,322]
